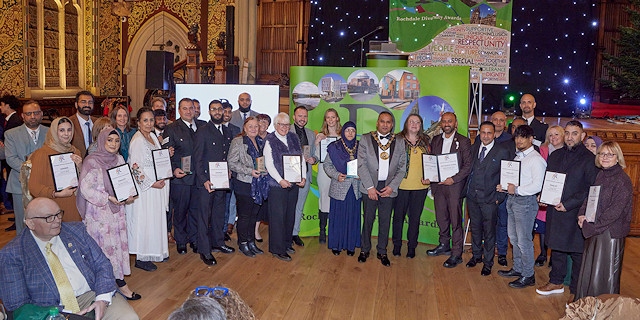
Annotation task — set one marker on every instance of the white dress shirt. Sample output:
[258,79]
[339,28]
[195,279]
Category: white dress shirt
[532,168]
[383,165]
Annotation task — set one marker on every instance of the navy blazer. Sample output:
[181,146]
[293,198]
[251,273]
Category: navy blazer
[210,145]
[487,173]
[182,139]
[26,277]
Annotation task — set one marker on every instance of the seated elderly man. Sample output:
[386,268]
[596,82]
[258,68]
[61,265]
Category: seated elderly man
[58,264]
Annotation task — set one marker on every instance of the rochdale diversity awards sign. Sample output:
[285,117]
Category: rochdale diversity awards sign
[475,33]
[360,94]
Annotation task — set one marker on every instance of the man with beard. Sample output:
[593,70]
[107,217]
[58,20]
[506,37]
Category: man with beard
[83,121]
[244,110]
[196,108]
[211,145]
[563,234]
[230,212]
[528,105]
[447,193]
[160,117]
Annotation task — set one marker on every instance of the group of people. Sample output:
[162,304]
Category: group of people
[378,175]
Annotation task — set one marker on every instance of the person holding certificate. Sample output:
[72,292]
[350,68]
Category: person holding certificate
[413,188]
[447,194]
[41,180]
[250,185]
[562,233]
[104,214]
[344,209]
[605,232]
[281,150]
[146,219]
[330,131]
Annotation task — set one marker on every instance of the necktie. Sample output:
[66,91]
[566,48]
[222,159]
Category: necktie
[88,124]
[219,128]
[192,128]
[244,116]
[67,297]
[482,153]
[34,137]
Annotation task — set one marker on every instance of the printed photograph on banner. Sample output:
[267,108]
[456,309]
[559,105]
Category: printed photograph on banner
[430,108]
[494,3]
[306,94]
[362,85]
[398,88]
[333,87]
[483,14]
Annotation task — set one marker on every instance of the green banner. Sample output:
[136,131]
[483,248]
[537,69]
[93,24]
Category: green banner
[359,94]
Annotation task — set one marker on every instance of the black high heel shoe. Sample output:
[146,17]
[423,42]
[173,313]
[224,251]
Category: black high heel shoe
[134,296]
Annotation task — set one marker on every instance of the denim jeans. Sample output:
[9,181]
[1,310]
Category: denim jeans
[522,212]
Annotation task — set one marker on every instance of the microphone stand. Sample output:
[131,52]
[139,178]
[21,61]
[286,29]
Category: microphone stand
[361,40]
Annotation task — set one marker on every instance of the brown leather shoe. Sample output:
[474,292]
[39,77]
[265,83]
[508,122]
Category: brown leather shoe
[550,288]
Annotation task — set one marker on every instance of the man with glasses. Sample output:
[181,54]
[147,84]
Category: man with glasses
[563,235]
[244,110]
[211,145]
[83,121]
[59,264]
[20,142]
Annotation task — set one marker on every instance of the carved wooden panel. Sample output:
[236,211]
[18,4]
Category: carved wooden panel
[51,44]
[32,48]
[71,45]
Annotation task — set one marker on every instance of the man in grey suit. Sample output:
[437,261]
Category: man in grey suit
[308,139]
[20,142]
[381,167]
[244,110]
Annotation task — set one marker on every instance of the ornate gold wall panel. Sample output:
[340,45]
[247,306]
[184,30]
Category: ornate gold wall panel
[89,44]
[109,64]
[12,75]
[140,12]
[216,24]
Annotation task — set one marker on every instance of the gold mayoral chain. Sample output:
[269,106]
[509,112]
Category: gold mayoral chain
[351,151]
[384,155]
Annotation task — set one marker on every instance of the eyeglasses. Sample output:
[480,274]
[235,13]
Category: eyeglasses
[32,113]
[217,292]
[50,218]
[215,109]
[283,124]
[607,155]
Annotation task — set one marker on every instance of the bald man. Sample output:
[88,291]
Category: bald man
[244,110]
[528,106]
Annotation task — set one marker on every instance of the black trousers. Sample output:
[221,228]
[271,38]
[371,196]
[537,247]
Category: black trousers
[483,218]
[183,199]
[383,206]
[408,203]
[559,268]
[282,217]
[247,211]
[210,219]
[448,207]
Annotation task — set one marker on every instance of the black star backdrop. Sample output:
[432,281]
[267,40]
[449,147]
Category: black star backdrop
[553,46]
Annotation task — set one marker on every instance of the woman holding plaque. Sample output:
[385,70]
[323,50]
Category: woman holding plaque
[249,184]
[344,209]
[605,223]
[413,188]
[41,180]
[146,216]
[104,214]
[331,130]
[120,118]
[283,159]
[264,121]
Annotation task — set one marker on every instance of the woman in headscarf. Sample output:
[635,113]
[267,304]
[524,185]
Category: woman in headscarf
[592,143]
[58,140]
[344,207]
[104,214]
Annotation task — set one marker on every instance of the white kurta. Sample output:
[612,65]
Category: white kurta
[147,215]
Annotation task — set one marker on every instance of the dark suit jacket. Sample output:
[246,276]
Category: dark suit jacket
[485,175]
[182,139]
[368,164]
[539,129]
[235,130]
[78,134]
[14,121]
[210,145]
[26,277]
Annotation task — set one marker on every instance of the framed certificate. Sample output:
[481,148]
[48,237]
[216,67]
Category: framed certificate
[447,165]
[352,169]
[306,151]
[552,187]
[260,165]
[592,203]
[509,173]
[292,168]
[219,175]
[162,164]
[64,171]
[430,168]
[185,164]
[122,183]
[323,146]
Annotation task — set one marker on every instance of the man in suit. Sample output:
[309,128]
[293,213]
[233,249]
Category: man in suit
[528,106]
[20,142]
[499,120]
[212,143]
[59,264]
[563,234]
[83,121]
[482,197]
[196,108]
[182,195]
[160,123]
[447,193]
[8,106]
[381,167]
[307,140]
[244,110]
